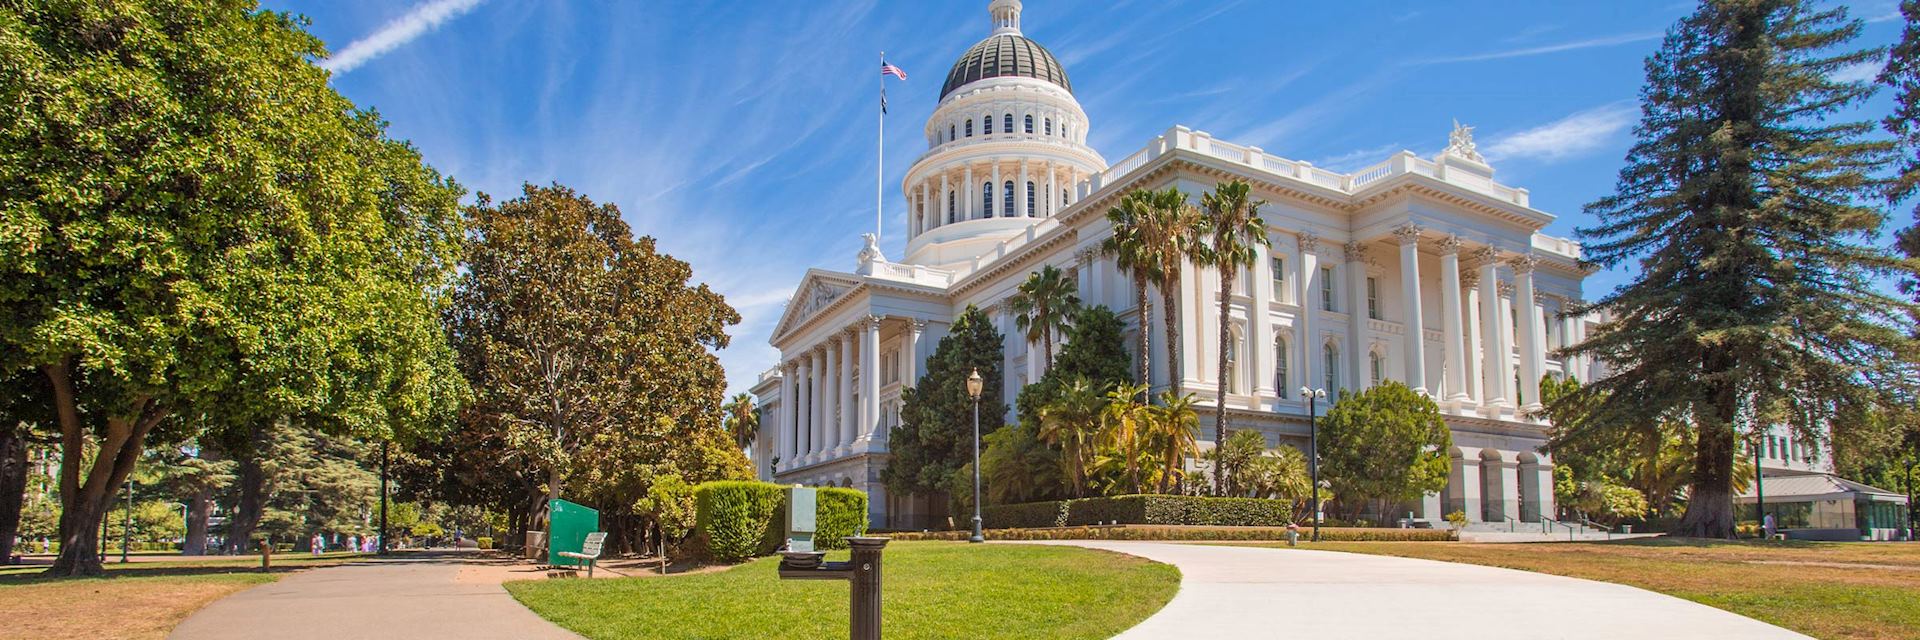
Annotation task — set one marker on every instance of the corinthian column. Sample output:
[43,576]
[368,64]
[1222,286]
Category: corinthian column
[1493,341]
[1452,338]
[841,431]
[1415,325]
[783,421]
[1532,344]
[1356,308]
[869,379]
[1304,343]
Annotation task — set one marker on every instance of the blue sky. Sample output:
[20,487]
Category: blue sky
[741,134]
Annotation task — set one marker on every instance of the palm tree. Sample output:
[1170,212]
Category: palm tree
[1154,233]
[1125,419]
[1044,306]
[1170,430]
[742,420]
[1072,423]
[1234,231]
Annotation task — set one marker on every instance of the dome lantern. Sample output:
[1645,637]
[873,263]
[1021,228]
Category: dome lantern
[1006,16]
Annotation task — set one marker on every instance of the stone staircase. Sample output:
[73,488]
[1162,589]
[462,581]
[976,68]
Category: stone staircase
[1549,531]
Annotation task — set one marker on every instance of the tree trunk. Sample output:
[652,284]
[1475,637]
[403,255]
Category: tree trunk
[1220,382]
[1171,313]
[1710,499]
[251,505]
[13,485]
[85,500]
[198,508]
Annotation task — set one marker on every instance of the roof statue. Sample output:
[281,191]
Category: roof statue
[870,254]
[1460,143]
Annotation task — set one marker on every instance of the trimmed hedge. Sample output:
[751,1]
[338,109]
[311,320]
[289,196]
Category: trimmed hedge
[1142,509]
[735,519]
[738,520]
[1174,532]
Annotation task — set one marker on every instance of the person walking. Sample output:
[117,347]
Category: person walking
[1766,525]
[319,544]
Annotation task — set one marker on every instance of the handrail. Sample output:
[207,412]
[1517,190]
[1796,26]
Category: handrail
[1547,524]
[1603,528]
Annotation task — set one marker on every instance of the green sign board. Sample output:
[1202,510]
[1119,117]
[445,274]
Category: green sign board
[567,527]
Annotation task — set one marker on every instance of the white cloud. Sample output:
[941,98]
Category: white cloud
[1574,135]
[399,31]
[1546,49]
[1859,71]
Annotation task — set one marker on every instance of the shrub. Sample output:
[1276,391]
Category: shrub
[1458,519]
[1180,510]
[1052,513]
[839,513]
[1171,532]
[737,519]
[485,542]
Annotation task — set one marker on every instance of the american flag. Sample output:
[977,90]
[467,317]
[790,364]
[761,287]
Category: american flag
[890,70]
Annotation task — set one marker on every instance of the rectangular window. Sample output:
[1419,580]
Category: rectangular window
[1333,368]
[1279,279]
[1373,298]
[1326,288]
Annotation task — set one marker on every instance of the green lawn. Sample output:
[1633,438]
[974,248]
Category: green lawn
[140,600]
[931,590]
[1822,589]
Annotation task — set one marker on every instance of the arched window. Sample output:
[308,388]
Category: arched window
[1332,367]
[986,125]
[949,132]
[986,197]
[1063,197]
[1031,211]
[1008,122]
[1066,131]
[1029,124]
[969,128]
[1049,129]
[1280,378]
[950,208]
[1006,203]
[1376,366]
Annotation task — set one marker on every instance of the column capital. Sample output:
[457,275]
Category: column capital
[1486,256]
[1506,289]
[1469,279]
[1408,233]
[1356,251]
[1308,242]
[1450,245]
[917,324]
[871,322]
[1524,263]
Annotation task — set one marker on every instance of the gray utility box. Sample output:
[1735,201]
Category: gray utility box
[801,504]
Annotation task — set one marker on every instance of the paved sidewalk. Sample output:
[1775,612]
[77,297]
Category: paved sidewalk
[419,596]
[1245,592]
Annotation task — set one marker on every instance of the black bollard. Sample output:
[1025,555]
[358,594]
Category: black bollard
[862,570]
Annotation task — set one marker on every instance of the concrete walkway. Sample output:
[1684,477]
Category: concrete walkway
[1245,592]
[420,596]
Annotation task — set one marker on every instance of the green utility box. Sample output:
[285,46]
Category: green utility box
[567,527]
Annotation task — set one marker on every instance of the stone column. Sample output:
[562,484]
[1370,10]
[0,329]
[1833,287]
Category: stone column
[1260,353]
[996,204]
[1532,344]
[789,411]
[1415,325]
[920,225]
[849,413]
[1052,205]
[1471,377]
[1492,340]
[1463,485]
[967,189]
[1020,194]
[815,402]
[1304,342]
[1452,338]
[1356,308]
[1536,491]
[869,380]
[823,430]
[1507,333]
[945,188]
[910,368]
[1503,485]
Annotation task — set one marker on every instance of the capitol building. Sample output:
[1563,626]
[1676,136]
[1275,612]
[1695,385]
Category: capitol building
[1424,270]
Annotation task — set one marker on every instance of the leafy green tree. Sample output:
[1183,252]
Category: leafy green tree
[1234,232]
[190,216]
[670,502]
[1044,307]
[589,351]
[743,420]
[1155,233]
[1238,451]
[1386,445]
[934,439]
[1096,349]
[1170,436]
[189,474]
[1743,207]
[1127,420]
[1279,474]
[1017,467]
[1073,423]
[1902,74]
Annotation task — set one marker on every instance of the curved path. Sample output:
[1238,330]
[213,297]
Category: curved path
[419,596]
[1249,592]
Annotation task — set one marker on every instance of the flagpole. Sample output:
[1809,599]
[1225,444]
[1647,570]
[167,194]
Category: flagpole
[880,166]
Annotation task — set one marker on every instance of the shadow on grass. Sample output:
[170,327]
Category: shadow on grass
[34,571]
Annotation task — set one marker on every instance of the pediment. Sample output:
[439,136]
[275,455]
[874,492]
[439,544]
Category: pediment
[817,291]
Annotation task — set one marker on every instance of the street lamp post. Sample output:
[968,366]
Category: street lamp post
[974,383]
[1759,494]
[384,445]
[1313,449]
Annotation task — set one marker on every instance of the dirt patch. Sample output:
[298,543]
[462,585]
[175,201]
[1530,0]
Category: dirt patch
[145,607]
